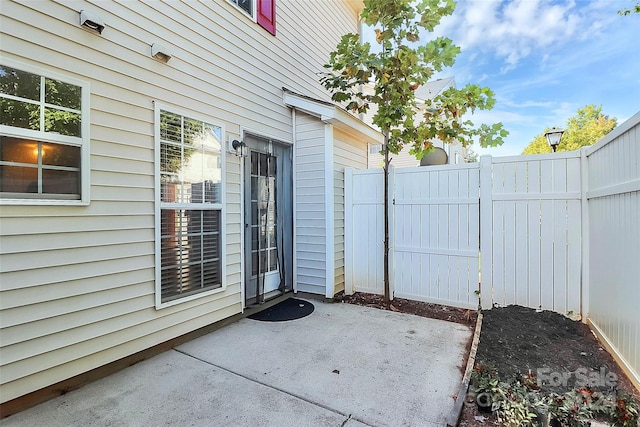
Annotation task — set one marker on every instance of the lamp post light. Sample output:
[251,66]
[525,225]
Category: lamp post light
[554,135]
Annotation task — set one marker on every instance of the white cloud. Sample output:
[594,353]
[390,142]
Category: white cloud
[516,29]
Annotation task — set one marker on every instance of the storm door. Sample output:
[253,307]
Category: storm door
[268,220]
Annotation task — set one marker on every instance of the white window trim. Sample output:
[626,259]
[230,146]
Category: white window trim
[158,206]
[254,6]
[84,142]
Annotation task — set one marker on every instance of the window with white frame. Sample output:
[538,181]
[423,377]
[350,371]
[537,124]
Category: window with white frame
[190,205]
[44,137]
[245,5]
[263,12]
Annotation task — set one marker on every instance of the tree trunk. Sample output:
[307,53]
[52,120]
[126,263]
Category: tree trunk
[387,293]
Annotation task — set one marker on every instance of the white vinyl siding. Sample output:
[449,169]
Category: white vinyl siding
[311,226]
[348,153]
[78,288]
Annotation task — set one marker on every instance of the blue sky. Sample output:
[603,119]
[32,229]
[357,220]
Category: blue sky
[545,59]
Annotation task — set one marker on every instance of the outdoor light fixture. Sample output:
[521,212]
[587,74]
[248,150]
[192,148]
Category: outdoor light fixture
[161,53]
[91,21]
[554,135]
[240,148]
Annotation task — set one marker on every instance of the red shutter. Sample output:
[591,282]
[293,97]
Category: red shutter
[267,15]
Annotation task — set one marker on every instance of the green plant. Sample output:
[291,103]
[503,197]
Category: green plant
[514,403]
[571,409]
[521,402]
[517,404]
[625,411]
[484,378]
[530,381]
[576,407]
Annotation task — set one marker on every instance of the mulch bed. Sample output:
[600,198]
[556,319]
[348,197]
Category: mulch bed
[516,340]
[424,309]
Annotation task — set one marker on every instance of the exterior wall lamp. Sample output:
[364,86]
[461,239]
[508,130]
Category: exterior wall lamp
[240,148]
[554,135]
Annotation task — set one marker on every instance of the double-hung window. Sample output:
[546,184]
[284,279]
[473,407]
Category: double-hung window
[189,213]
[44,137]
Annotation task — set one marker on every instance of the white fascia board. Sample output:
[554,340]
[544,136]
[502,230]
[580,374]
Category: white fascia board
[309,106]
[333,115]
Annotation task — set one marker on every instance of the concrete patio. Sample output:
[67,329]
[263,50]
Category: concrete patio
[343,365]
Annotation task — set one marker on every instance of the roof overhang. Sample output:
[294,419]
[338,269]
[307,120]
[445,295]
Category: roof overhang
[331,114]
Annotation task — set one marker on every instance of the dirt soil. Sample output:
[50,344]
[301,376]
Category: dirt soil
[424,309]
[517,340]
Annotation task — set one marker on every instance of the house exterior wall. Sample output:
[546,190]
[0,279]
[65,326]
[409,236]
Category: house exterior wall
[77,282]
[310,189]
[348,153]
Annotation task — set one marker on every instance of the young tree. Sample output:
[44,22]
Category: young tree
[585,128]
[396,69]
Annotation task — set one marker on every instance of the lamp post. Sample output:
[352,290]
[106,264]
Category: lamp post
[554,135]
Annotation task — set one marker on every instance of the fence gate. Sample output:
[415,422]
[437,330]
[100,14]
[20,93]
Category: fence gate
[516,220]
[436,226]
[434,232]
[531,231]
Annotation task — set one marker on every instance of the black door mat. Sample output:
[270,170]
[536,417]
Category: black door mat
[289,309]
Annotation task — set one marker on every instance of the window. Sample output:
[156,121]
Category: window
[246,5]
[44,141]
[263,11]
[375,148]
[189,214]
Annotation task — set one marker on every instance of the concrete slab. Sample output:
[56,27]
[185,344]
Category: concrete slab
[173,389]
[343,365]
[379,367]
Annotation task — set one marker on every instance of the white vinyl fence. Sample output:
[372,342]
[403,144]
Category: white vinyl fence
[613,242]
[557,231]
[526,208]
[363,228]
[531,231]
[436,231]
